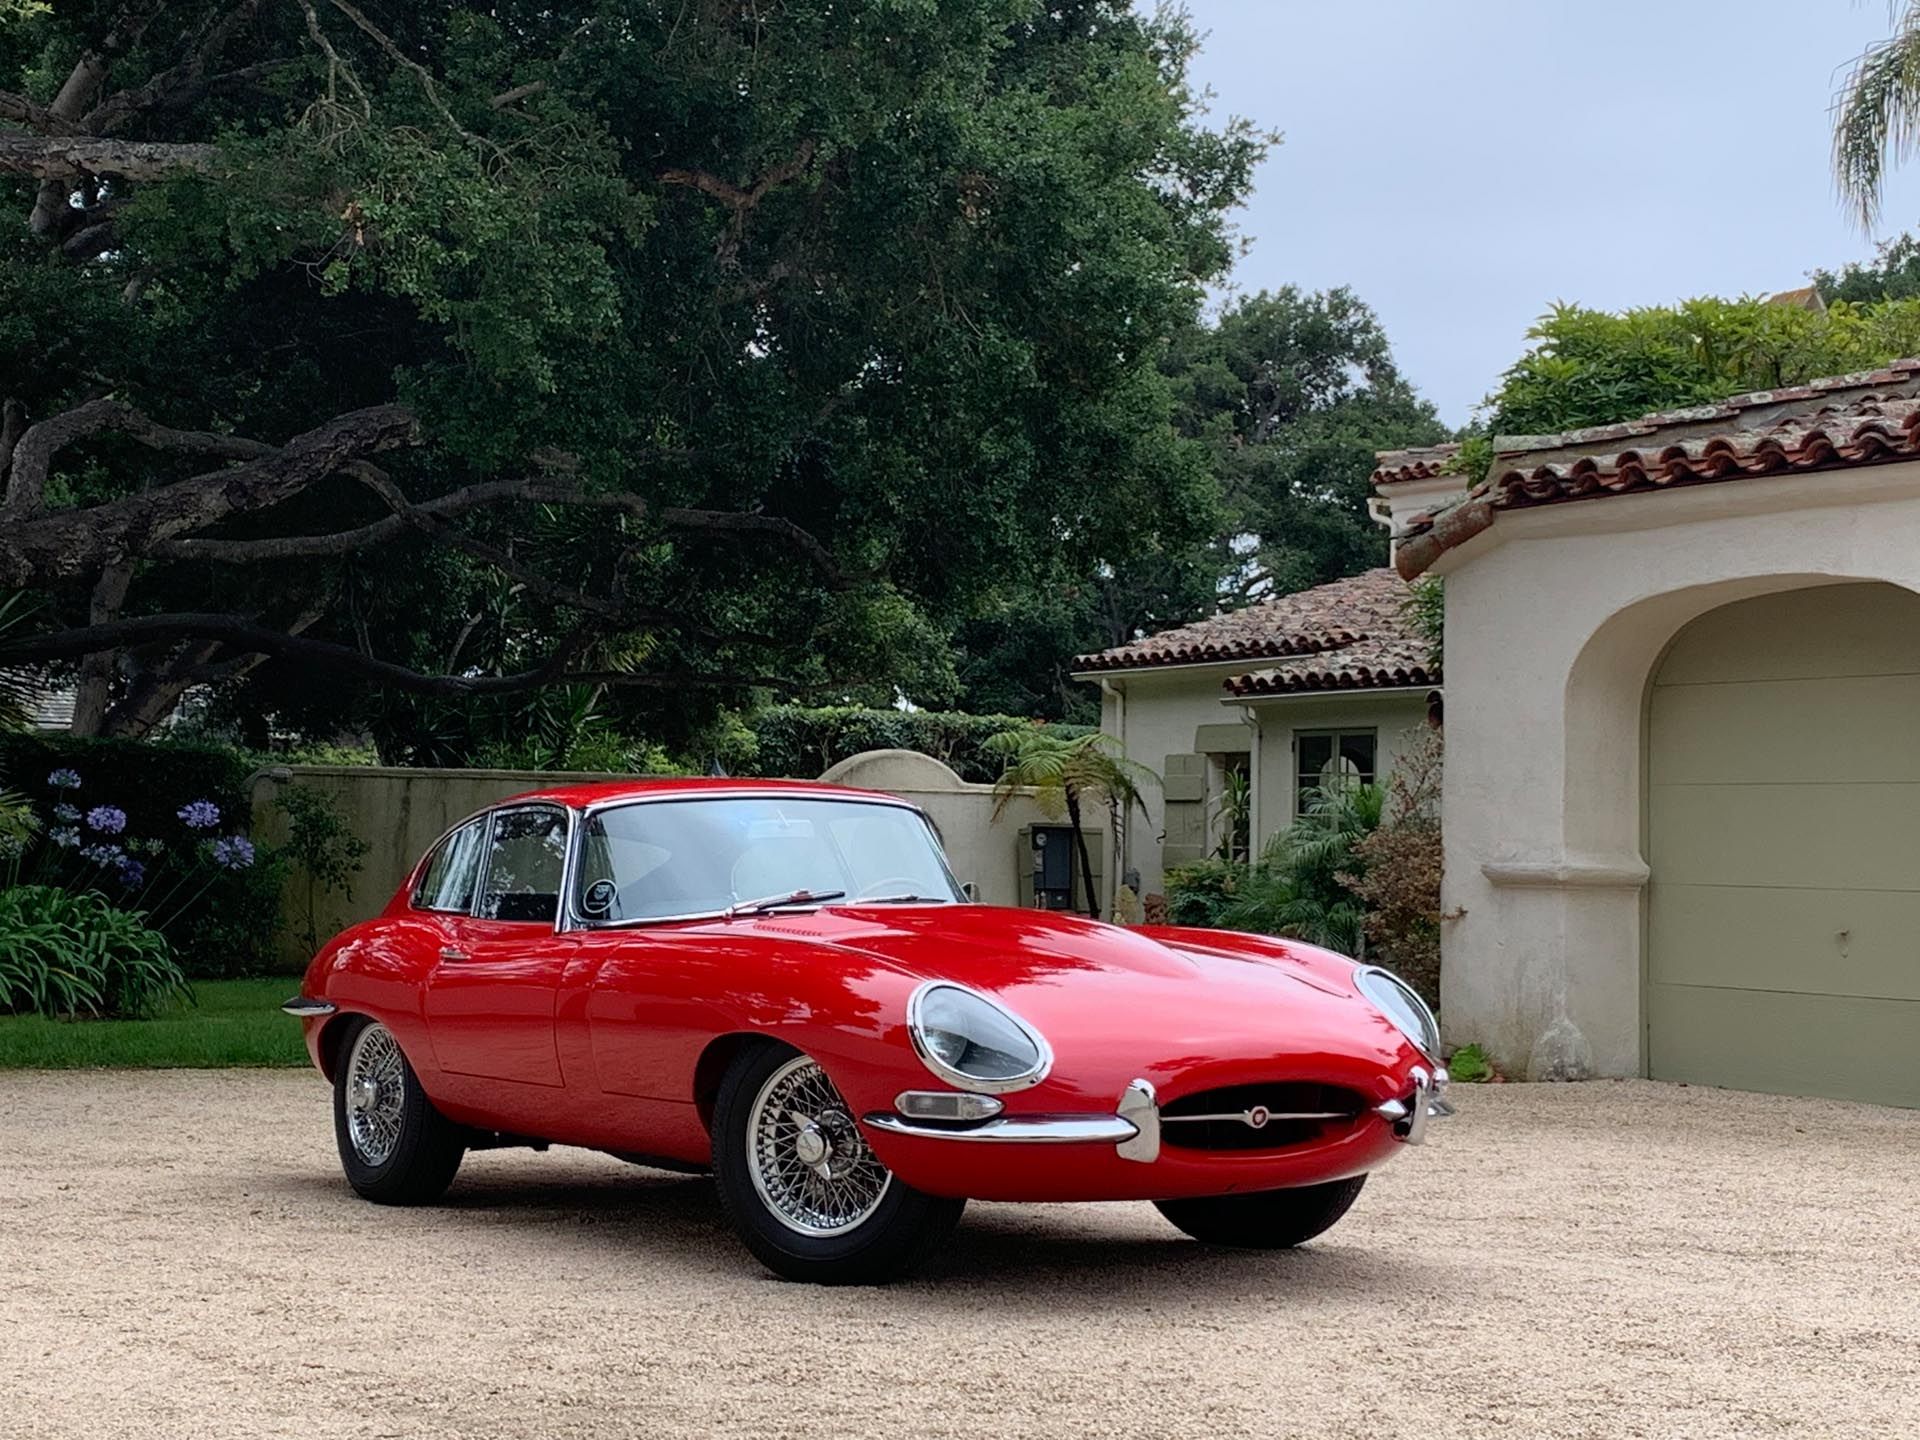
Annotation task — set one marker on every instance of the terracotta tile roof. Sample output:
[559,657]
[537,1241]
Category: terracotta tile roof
[1394,467]
[1367,664]
[1848,420]
[1350,634]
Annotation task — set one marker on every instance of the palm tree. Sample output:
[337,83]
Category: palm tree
[1876,115]
[1063,773]
[1297,889]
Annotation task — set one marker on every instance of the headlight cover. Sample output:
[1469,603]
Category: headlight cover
[1401,1004]
[973,1042]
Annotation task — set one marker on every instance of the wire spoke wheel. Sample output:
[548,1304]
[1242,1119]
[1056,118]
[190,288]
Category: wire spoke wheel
[807,1158]
[375,1094]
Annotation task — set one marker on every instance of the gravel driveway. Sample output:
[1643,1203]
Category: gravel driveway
[180,1257]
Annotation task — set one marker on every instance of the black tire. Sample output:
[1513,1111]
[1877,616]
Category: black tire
[426,1152]
[899,1232]
[1267,1219]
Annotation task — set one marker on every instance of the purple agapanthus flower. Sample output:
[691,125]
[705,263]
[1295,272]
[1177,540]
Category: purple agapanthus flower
[66,837]
[104,854]
[66,813]
[132,874]
[233,853]
[64,779]
[107,819]
[200,815]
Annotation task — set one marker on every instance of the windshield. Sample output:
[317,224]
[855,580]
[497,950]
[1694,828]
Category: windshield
[660,859]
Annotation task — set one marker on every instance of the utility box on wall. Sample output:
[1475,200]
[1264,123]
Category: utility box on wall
[1049,867]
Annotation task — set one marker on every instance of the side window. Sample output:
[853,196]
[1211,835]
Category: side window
[1329,759]
[449,879]
[523,865]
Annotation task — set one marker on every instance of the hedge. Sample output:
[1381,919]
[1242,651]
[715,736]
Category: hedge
[799,741]
[230,929]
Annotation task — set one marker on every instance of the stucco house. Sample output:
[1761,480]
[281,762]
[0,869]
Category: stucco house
[1682,794]
[1285,692]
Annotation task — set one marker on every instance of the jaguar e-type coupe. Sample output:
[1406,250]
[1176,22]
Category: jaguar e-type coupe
[784,983]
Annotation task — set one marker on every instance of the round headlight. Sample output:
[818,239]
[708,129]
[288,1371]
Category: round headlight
[1401,1004]
[973,1042]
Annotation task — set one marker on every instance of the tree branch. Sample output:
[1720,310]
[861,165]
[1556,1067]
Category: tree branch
[517,94]
[22,110]
[178,85]
[731,195]
[248,635]
[33,453]
[60,157]
[743,522]
[60,545]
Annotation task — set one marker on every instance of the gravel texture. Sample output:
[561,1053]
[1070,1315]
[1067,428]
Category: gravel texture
[181,1258]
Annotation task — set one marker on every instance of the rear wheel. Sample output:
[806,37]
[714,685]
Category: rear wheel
[1266,1220]
[395,1147]
[799,1183]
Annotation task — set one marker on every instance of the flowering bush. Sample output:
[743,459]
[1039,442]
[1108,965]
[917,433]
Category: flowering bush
[163,887]
[137,823]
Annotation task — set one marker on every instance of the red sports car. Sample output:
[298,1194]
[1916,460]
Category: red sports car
[783,983]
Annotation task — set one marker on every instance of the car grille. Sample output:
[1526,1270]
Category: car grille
[1258,1117]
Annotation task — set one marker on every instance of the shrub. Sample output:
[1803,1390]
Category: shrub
[1470,1065]
[799,741]
[1299,886]
[321,849]
[1397,877]
[220,911]
[1203,892]
[67,953]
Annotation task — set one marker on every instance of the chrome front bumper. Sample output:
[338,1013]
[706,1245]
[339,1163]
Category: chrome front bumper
[1428,1101]
[1133,1129]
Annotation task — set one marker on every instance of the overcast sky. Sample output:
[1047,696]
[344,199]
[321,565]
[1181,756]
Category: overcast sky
[1464,163]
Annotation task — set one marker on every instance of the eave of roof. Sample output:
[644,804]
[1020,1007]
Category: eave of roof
[1841,422]
[1425,462]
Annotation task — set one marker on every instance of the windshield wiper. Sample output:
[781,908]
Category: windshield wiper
[903,900]
[774,902]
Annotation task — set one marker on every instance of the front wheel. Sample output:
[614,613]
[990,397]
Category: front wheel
[808,1197]
[1267,1219]
[395,1147]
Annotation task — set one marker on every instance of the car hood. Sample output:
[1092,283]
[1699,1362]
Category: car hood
[1114,1001]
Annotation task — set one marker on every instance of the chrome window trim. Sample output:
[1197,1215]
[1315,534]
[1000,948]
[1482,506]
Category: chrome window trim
[493,821]
[570,917]
[958,1079]
[413,891]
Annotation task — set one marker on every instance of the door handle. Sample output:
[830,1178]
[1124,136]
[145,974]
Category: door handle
[447,952]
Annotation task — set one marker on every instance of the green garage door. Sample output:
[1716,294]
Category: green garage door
[1783,948]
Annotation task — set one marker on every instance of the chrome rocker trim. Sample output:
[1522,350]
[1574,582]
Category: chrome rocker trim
[1428,1101]
[305,1008]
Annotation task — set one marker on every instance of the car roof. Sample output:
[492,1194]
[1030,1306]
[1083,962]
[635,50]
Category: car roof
[599,792]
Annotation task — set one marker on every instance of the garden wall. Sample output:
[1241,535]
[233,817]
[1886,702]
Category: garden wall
[400,812]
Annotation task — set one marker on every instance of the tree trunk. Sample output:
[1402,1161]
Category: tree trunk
[1086,856]
[94,690]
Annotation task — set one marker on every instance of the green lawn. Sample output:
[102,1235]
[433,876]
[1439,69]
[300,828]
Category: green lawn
[230,1022]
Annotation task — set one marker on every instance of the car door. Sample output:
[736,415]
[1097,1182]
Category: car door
[490,998]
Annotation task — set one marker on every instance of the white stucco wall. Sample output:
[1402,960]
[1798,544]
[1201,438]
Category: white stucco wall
[1556,619]
[1177,711]
[1154,715]
[1397,717]
[983,850]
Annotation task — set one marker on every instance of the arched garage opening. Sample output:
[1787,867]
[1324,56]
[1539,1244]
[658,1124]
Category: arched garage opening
[1781,827]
